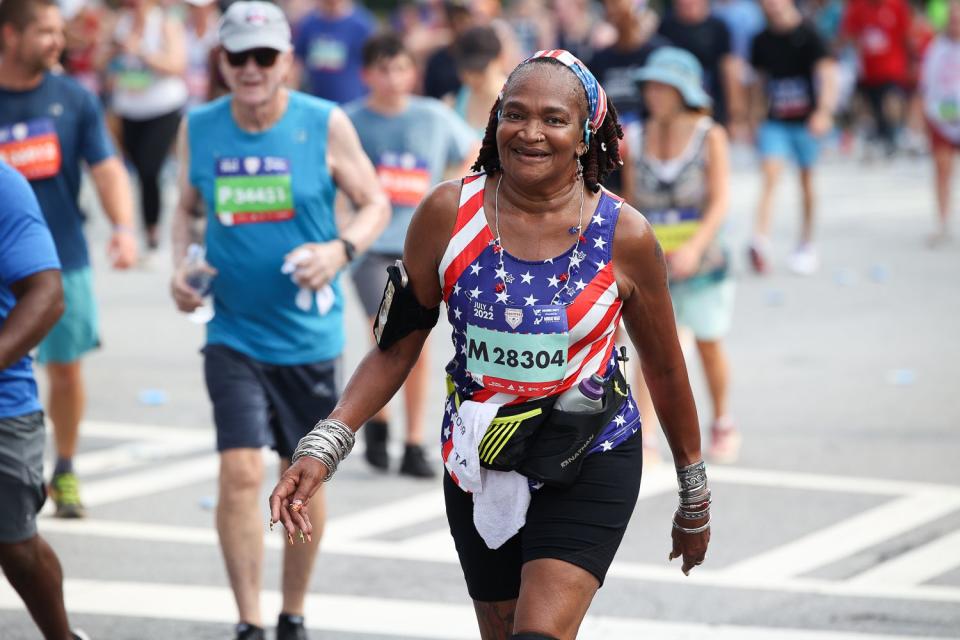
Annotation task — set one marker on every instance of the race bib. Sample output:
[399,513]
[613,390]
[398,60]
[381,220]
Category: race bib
[520,350]
[32,148]
[135,80]
[404,177]
[789,98]
[327,55]
[674,227]
[253,189]
[948,110]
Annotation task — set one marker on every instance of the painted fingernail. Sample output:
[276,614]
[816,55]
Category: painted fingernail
[290,538]
[309,538]
[302,540]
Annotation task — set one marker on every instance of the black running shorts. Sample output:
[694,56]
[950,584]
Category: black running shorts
[256,404]
[582,525]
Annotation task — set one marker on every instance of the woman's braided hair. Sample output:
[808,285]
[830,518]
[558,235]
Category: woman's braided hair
[601,158]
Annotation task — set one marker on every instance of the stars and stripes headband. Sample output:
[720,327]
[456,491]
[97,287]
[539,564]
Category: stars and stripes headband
[596,96]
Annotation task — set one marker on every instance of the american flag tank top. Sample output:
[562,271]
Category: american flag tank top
[530,330]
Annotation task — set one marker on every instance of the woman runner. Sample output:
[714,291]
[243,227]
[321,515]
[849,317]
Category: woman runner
[537,264]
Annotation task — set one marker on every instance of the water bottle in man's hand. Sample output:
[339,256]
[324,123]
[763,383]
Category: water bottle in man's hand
[198,274]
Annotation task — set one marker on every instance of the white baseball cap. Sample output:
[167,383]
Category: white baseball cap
[254,25]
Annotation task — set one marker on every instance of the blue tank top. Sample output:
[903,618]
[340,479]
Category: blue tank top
[266,193]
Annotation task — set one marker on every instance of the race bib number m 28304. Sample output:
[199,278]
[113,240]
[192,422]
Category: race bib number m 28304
[253,189]
[520,350]
[535,361]
[32,148]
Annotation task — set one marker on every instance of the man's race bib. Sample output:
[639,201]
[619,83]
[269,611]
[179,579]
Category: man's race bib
[253,189]
[674,227]
[519,350]
[327,55]
[789,98]
[404,177]
[32,148]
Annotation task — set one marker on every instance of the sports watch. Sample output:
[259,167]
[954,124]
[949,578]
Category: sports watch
[349,248]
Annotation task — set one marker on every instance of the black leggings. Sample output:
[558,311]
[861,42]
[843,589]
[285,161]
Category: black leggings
[146,143]
[876,97]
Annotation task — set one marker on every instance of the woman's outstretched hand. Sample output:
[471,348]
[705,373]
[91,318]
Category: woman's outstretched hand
[289,500]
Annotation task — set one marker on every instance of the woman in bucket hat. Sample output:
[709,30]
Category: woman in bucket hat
[677,174]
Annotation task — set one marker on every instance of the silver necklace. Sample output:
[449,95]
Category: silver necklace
[498,245]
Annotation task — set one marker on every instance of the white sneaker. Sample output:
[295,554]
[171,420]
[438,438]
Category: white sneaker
[804,261]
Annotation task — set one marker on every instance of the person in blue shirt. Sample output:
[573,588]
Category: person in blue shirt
[412,141]
[50,127]
[327,47]
[31,301]
[267,163]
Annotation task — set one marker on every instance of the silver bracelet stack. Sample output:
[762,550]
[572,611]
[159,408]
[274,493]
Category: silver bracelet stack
[695,497]
[330,441]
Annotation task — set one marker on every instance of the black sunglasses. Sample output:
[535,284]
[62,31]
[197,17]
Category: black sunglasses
[263,57]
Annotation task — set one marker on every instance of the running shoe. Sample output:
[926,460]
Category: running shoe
[759,255]
[65,491]
[804,261]
[375,436]
[291,628]
[724,441]
[415,463]
[77,634]
[249,632]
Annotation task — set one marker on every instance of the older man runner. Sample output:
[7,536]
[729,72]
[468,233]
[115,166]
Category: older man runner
[267,162]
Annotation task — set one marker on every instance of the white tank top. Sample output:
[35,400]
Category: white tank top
[140,93]
[198,62]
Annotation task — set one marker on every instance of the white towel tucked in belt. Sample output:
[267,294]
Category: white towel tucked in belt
[500,498]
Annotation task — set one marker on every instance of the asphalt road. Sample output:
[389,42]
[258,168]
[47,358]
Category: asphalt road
[841,520]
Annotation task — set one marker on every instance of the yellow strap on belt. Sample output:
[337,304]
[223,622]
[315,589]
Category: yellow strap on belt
[500,431]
